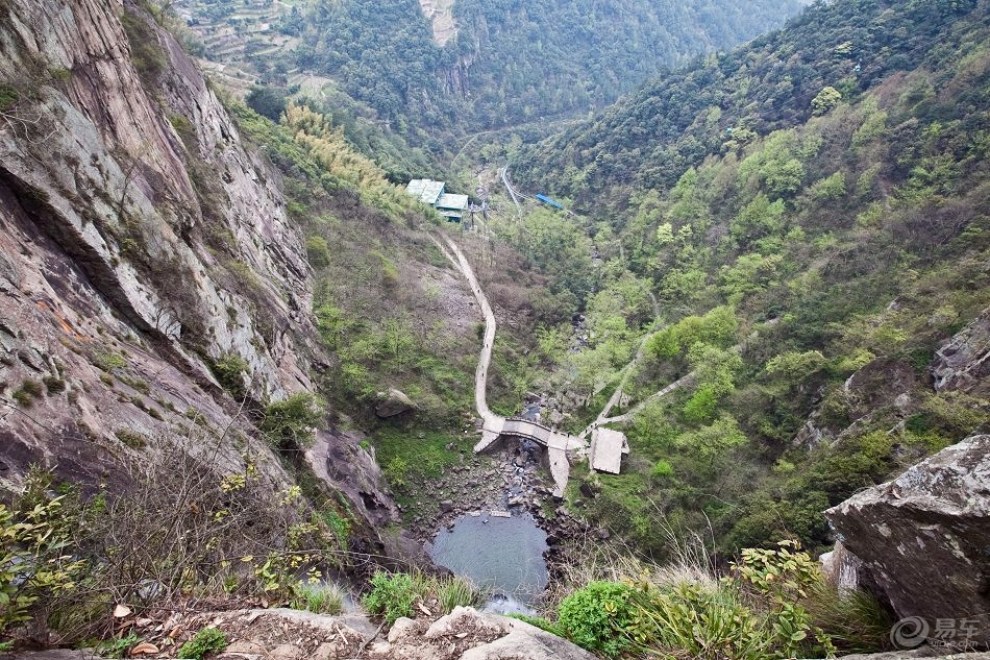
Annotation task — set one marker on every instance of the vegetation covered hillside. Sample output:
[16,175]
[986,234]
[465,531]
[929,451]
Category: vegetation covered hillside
[803,268]
[722,102]
[513,62]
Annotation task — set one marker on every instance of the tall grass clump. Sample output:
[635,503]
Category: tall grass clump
[318,598]
[395,595]
[452,592]
[773,603]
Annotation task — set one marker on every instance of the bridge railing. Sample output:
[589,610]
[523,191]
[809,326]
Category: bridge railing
[527,429]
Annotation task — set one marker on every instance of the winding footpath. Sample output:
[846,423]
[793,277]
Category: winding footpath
[504,173]
[685,381]
[495,426]
[557,444]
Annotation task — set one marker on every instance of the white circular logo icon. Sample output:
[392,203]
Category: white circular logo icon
[909,633]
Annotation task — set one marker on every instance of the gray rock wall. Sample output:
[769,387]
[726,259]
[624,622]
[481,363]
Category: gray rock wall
[140,239]
[924,538]
[963,363]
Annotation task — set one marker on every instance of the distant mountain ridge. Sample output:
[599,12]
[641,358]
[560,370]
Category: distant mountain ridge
[513,61]
[674,121]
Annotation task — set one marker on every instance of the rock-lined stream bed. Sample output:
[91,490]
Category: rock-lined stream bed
[513,558]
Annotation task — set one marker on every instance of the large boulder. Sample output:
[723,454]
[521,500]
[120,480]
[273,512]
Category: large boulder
[842,569]
[924,538]
[393,403]
[963,363]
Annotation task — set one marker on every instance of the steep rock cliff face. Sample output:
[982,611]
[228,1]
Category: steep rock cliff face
[140,241]
[923,537]
[164,222]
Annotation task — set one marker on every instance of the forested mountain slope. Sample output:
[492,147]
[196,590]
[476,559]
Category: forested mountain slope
[511,61]
[675,121]
[811,268]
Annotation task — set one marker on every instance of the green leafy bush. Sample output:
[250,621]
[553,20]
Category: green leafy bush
[208,641]
[288,424]
[35,558]
[118,646]
[391,597]
[775,603]
[231,371]
[826,99]
[598,617]
[318,251]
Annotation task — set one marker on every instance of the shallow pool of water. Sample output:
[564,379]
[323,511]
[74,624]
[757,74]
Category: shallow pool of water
[502,555]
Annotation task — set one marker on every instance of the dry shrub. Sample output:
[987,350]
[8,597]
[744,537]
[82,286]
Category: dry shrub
[179,533]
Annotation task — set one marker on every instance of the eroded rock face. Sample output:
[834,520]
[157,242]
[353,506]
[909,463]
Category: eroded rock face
[842,569]
[138,235]
[925,537]
[140,240]
[963,363]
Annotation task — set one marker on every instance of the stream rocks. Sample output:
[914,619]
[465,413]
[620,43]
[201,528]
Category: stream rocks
[511,479]
[924,538]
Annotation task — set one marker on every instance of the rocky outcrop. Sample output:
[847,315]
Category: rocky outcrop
[963,363]
[393,403]
[284,634]
[880,384]
[441,15]
[842,569]
[467,634]
[141,240]
[141,178]
[924,537]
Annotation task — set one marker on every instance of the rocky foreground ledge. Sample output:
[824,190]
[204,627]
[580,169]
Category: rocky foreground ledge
[465,634]
[281,634]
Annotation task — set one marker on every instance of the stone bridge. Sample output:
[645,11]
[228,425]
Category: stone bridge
[557,444]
